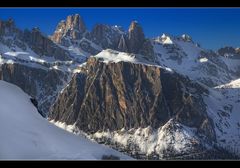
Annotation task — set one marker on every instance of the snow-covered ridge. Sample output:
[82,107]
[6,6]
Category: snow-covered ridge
[115,56]
[109,55]
[169,39]
[26,135]
[31,59]
[164,39]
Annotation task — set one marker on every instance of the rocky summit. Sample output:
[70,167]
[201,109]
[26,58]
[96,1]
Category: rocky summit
[73,27]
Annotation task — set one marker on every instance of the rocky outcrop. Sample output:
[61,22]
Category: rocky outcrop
[73,28]
[137,43]
[40,84]
[126,95]
[75,22]
[136,37]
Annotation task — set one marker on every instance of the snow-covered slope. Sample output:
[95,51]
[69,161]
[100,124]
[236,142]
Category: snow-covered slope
[26,135]
[223,106]
[187,58]
[218,74]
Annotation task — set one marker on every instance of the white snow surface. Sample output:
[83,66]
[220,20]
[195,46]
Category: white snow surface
[26,135]
[168,41]
[115,56]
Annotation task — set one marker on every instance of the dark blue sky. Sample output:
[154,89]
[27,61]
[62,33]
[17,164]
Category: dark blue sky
[211,27]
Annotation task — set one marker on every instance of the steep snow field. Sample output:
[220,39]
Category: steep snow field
[223,106]
[26,135]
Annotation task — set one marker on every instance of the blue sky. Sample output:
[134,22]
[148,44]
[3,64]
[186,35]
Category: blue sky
[211,27]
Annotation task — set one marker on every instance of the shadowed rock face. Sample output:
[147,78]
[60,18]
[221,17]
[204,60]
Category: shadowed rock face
[38,83]
[105,36]
[116,95]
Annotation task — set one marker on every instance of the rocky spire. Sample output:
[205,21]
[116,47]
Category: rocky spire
[75,22]
[122,46]
[73,27]
[135,36]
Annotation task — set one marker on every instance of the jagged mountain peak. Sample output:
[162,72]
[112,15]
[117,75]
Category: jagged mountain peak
[136,37]
[75,22]
[166,39]
[135,26]
[186,37]
[170,39]
[73,27]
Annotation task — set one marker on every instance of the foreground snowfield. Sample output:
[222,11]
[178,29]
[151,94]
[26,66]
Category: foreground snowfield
[26,135]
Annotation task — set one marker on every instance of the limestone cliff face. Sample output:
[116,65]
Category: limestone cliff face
[126,95]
